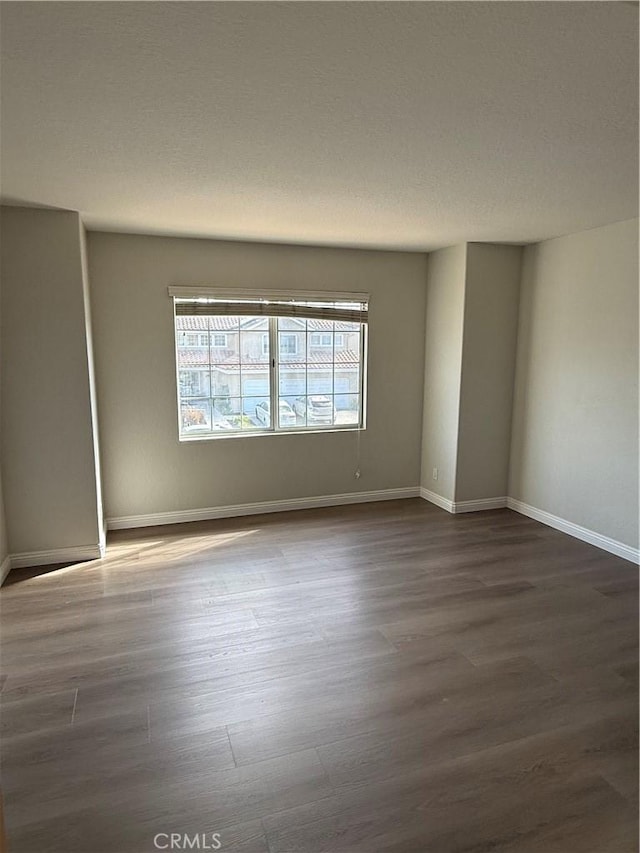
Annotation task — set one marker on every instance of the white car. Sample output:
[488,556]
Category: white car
[287,415]
[315,408]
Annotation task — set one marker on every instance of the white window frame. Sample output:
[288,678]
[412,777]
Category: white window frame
[269,345]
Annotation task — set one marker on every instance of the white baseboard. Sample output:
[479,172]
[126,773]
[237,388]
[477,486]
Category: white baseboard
[575,530]
[5,566]
[77,554]
[463,506]
[480,505]
[208,513]
[438,500]
[84,553]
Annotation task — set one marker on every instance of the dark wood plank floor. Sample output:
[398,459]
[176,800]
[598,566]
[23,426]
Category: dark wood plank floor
[382,677]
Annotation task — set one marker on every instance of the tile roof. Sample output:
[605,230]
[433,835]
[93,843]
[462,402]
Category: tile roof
[223,324]
[316,360]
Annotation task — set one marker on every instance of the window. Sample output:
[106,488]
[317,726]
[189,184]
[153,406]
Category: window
[276,363]
[326,339]
[193,339]
[288,344]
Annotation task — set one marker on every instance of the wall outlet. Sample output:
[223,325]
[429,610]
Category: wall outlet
[434,473]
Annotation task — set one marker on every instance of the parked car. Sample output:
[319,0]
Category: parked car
[287,415]
[316,408]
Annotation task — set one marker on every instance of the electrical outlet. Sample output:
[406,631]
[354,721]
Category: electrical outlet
[434,473]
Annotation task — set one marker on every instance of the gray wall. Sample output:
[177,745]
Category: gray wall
[146,469]
[488,365]
[47,448]
[93,396]
[4,541]
[442,368]
[574,400]
[575,426]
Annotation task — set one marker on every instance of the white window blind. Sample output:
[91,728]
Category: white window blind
[211,302]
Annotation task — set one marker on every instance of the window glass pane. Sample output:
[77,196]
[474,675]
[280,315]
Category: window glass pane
[252,334]
[195,416]
[346,379]
[255,383]
[321,340]
[223,339]
[347,409]
[251,413]
[220,324]
[225,380]
[292,383]
[229,352]
[226,412]
[194,383]
[314,410]
[291,346]
[262,414]
[299,406]
[319,381]
[286,415]
[289,324]
[349,350]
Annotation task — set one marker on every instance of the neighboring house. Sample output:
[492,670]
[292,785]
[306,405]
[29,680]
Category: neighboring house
[227,359]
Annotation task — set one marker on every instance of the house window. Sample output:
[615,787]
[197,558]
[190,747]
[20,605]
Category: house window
[288,344]
[193,339]
[326,339]
[280,364]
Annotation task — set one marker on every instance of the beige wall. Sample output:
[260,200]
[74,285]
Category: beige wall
[47,448]
[146,469]
[488,362]
[442,368]
[575,426]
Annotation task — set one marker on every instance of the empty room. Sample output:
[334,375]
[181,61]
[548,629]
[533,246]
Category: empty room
[319,427]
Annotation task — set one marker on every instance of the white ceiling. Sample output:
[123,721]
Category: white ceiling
[395,125]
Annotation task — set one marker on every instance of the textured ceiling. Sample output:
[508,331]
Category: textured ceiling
[396,125]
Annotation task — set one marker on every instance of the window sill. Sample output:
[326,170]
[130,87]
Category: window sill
[262,433]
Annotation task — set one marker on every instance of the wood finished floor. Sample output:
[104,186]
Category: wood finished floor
[381,677]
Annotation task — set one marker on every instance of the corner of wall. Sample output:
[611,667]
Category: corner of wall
[443,353]
[48,442]
[93,400]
